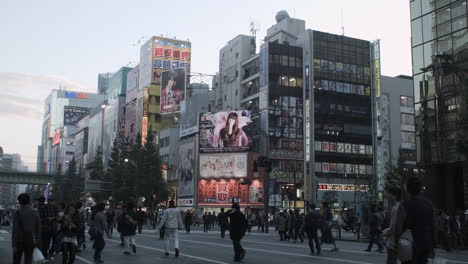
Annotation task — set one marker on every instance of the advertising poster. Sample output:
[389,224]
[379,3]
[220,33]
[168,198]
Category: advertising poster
[186,169]
[169,54]
[325,167]
[172,90]
[73,114]
[221,192]
[195,101]
[56,138]
[224,192]
[340,147]
[225,131]
[256,192]
[223,165]
[332,147]
[325,146]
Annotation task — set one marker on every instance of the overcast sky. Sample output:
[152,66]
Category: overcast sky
[45,44]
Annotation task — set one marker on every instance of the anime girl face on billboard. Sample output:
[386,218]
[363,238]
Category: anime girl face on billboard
[225,131]
[172,90]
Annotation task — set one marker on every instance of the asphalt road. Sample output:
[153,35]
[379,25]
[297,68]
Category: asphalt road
[200,247]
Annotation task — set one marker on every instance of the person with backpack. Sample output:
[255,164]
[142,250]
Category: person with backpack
[237,227]
[26,231]
[310,226]
[128,228]
[172,220]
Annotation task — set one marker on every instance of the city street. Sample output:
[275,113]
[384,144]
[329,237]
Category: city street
[200,247]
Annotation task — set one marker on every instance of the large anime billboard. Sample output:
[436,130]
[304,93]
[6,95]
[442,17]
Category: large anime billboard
[172,90]
[225,131]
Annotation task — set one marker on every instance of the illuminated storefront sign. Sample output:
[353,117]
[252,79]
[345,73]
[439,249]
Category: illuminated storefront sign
[185,202]
[76,95]
[342,187]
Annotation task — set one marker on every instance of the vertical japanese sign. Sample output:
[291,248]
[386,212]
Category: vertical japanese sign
[263,103]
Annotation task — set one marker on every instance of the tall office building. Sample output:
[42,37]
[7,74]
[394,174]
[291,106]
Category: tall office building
[312,96]
[63,110]
[440,50]
[158,54]
[103,82]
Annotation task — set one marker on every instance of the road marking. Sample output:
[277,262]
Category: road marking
[3,232]
[185,255]
[84,260]
[288,245]
[278,252]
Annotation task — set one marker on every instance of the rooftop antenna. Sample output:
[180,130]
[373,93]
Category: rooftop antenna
[342,23]
[253,31]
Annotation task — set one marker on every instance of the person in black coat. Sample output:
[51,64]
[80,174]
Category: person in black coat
[237,228]
[188,221]
[420,219]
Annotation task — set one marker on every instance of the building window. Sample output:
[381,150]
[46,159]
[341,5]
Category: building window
[407,119]
[408,137]
[406,101]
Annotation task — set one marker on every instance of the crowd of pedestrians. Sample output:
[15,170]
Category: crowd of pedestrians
[408,231]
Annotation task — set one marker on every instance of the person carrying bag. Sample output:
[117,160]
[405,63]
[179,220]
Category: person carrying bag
[26,232]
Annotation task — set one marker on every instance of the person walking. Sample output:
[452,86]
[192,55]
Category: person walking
[47,213]
[81,238]
[282,222]
[291,222]
[237,228]
[172,220]
[162,230]
[327,218]
[442,230]
[69,228]
[141,216]
[128,228]
[310,226]
[223,222]
[188,221]
[99,229]
[420,220]
[26,231]
[110,216]
[375,223]
[205,222]
[395,229]
[298,223]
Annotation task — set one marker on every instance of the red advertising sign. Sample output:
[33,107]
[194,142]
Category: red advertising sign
[219,192]
[56,138]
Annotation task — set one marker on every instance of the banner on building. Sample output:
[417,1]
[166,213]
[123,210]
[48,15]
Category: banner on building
[73,114]
[169,54]
[172,90]
[186,169]
[225,131]
[218,192]
[223,165]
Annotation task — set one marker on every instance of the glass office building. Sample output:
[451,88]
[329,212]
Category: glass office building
[439,47]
